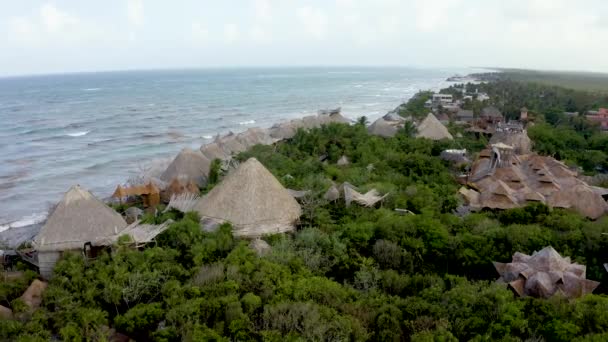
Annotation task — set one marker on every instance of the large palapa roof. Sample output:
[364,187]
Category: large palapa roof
[253,200]
[544,274]
[79,218]
[189,165]
[385,128]
[431,128]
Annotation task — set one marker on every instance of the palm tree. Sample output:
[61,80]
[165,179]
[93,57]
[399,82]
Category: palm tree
[362,121]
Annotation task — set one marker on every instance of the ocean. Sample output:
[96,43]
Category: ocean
[99,129]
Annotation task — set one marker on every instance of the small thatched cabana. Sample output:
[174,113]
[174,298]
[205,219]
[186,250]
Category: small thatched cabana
[79,218]
[431,128]
[189,165]
[32,297]
[253,200]
[255,136]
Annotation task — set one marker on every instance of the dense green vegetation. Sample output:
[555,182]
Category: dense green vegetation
[582,81]
[347,273]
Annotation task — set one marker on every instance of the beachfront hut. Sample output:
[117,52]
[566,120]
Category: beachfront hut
[255,136]
[283,131]
[386,126]
[544,274]
[343,161]
[230,144]
[214,151]
[431,128]
[79,218]
[188,166]
[253,200]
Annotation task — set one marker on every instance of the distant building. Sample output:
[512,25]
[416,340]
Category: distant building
[442,99]
[491,115]
[600,116]
[482,97]
[465,115]
[523,116]
[467,97]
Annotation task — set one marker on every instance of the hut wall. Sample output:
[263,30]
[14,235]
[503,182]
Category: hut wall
[46,263]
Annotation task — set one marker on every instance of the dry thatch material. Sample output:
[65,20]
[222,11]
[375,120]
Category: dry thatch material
[297,194]
[32,297]
[183,202]
[369,199]
[214,151]
[531,178]
[150,193]
[189,165]
[343,161]
[260,247]
[230,144]
[255,136]
[431,128]
[79,218]
[253,200]
[283,131]
[332,194]
[544,274]
[519,140]
[138,233]
[178,187]
[384,127]
[5,313]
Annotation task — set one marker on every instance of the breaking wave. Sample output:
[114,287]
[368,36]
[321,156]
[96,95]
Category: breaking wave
[78,134]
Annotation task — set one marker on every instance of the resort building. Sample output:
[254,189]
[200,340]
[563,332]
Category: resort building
[600,116]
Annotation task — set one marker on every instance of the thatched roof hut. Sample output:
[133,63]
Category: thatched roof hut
[282,131]
[253,200]
[188,166]
[214,151]
[79,218]
[385,128]
[544,274]
[254,136]
[431,128]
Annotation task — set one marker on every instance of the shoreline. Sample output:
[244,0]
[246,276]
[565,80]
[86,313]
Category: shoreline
[34,218]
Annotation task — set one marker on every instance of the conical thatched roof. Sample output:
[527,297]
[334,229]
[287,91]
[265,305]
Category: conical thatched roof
[544,274]
[32,297]
[214,151]
[254,136]
[189,165]
[384,128]
[79,218]
[260,246]
[285,130]
[431,128]
[582,198]
[253,200]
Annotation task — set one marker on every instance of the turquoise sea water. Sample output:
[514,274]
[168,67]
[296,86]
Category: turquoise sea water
[98,129]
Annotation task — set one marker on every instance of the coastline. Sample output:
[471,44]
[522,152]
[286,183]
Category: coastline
[23,222]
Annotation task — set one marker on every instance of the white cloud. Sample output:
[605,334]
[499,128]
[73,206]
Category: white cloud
[135,12]
[51,26]
[314,21]
[260,35]
[200,34]
[231,33]
[262,10]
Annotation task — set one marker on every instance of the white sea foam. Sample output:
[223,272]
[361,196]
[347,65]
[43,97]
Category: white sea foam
[207,137]
[78,134]
[248,122]
[25,221]
[91,89]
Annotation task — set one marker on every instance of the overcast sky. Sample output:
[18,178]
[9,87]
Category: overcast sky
[75,35]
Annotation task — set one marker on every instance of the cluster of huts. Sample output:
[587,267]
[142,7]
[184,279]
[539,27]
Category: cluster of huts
[506,175]
[249,197]
[429,128]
